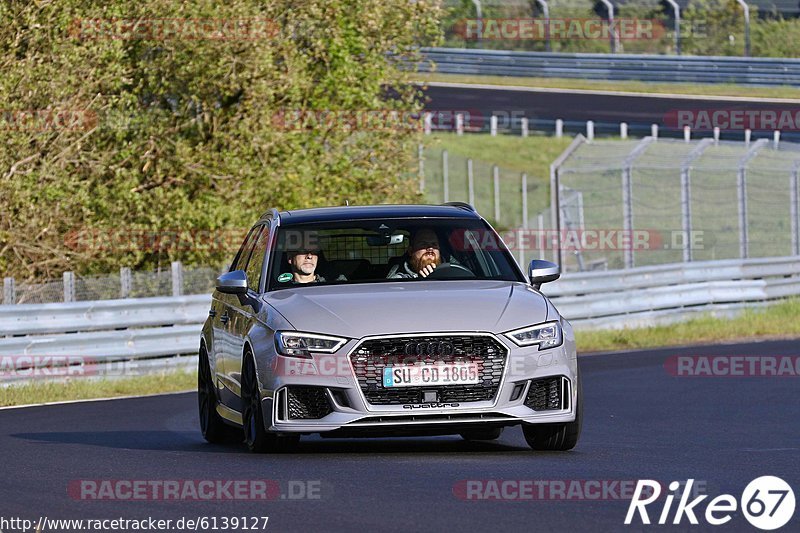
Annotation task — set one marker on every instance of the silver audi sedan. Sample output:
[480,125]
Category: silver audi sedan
[384,320]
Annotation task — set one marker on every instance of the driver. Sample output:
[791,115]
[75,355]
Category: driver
[422,256]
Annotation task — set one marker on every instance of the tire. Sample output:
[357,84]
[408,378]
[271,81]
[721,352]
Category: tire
[257,438]
[482,434]
[212,426]
[556,437]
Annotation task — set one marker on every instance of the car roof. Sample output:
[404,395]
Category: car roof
[362,212]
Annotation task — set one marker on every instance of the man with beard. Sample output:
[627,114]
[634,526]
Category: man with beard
[422,257]
[304,265]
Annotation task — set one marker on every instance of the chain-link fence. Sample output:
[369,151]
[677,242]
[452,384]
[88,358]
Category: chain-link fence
[658,201]
[175,280]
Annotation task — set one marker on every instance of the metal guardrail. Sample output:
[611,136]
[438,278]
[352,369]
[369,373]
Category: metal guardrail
[701,69]
[145,328]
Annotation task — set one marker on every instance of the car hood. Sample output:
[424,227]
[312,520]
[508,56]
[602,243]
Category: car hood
[361,310]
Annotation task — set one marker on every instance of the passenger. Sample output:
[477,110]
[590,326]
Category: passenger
[421,258]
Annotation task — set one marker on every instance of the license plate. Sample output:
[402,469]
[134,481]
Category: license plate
[422,375]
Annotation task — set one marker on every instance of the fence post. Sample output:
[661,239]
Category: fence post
[125,282]
[589,130]
[687,133]
[493,126]
[459,124]
[524,126]
[654,131]
[496,179]
[716,134]
[69,286]
[559,128]
[421,158]
[793,209]
[9,292]
[686,196]
[540,239]
[627,213]
[177,278]
[428,122]
[470,183]
[623,130]
[741,190]
[748,134]
[445,177]
[524,233]
[776,139]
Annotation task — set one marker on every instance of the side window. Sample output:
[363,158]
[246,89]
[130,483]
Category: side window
[240,262]
[257,260]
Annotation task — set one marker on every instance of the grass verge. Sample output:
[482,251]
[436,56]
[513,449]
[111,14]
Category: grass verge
[699,89]
[776,321]
[81,389]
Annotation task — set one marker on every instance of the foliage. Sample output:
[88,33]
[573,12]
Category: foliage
[176,132]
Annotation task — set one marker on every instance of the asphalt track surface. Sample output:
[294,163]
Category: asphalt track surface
[640,422]
[639,111]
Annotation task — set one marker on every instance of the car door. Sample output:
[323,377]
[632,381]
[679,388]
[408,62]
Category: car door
[245,309]
[225,342]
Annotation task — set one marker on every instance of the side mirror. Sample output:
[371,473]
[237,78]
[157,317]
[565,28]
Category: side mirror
[233,282]
[543,272]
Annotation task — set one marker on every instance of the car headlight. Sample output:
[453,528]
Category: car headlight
[297,344]
[547,335]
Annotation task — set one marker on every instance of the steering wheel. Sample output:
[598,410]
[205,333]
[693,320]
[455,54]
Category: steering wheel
[450,271]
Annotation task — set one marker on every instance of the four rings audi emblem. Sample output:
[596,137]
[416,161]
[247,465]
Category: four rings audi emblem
[429,348]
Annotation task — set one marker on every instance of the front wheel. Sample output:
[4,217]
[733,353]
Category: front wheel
[257,438]
[556,437]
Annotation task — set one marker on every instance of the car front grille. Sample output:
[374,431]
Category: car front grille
[548,394]
[306,403]
[372,356]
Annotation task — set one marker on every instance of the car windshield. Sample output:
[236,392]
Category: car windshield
[381,250]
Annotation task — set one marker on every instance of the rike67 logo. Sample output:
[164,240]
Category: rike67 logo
[767,503]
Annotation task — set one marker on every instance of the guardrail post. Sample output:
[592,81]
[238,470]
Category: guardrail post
[69,286]
[623,130]
[427,122]
[421,159]
[793,209]
[445,177]
[524,126]
[493,126]
[125,282]
[687,133]
[459,124]
[747,136]
[470,183]
[559,128]
[9,292]
[589,130]
[776,139]
[716,135]
[177,278]
[654,131]
[496,179]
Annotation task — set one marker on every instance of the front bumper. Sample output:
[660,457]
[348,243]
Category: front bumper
[334,381]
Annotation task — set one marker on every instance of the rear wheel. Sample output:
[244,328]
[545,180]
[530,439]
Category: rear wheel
[556,437]
[482,434]
[213,428]
[257,438]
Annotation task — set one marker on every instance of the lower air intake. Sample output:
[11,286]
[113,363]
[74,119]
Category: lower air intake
[548,394]
[307,403]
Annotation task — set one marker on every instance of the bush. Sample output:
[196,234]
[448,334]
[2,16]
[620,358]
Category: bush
[173,132]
